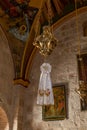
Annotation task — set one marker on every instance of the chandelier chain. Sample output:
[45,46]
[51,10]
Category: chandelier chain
[79,45]
[49,12]
[38,24]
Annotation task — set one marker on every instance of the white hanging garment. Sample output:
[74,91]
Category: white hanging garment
[45,93]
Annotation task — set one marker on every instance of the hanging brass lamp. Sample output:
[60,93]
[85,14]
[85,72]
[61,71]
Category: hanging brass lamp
[45,42]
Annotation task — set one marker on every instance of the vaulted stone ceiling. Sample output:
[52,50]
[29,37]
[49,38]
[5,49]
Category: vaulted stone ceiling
[18,19]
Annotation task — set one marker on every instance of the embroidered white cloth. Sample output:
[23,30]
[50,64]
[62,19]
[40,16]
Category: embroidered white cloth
[45,92]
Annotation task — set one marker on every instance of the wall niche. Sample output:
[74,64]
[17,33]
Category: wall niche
[85,29]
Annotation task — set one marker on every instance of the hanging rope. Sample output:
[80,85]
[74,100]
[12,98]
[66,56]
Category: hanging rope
[79,45]
[77,29]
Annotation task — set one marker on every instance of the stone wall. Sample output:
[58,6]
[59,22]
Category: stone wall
[64,69]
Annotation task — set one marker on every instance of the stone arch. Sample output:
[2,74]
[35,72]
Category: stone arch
[4,123]
[4,113]
[4,105]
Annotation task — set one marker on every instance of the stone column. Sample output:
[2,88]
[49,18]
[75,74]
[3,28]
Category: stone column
[21,108]
[14,108]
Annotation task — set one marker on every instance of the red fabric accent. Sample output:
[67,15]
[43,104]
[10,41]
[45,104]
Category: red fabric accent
[5,4]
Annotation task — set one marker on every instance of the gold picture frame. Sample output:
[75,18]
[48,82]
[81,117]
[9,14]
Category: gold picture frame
[58,111]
